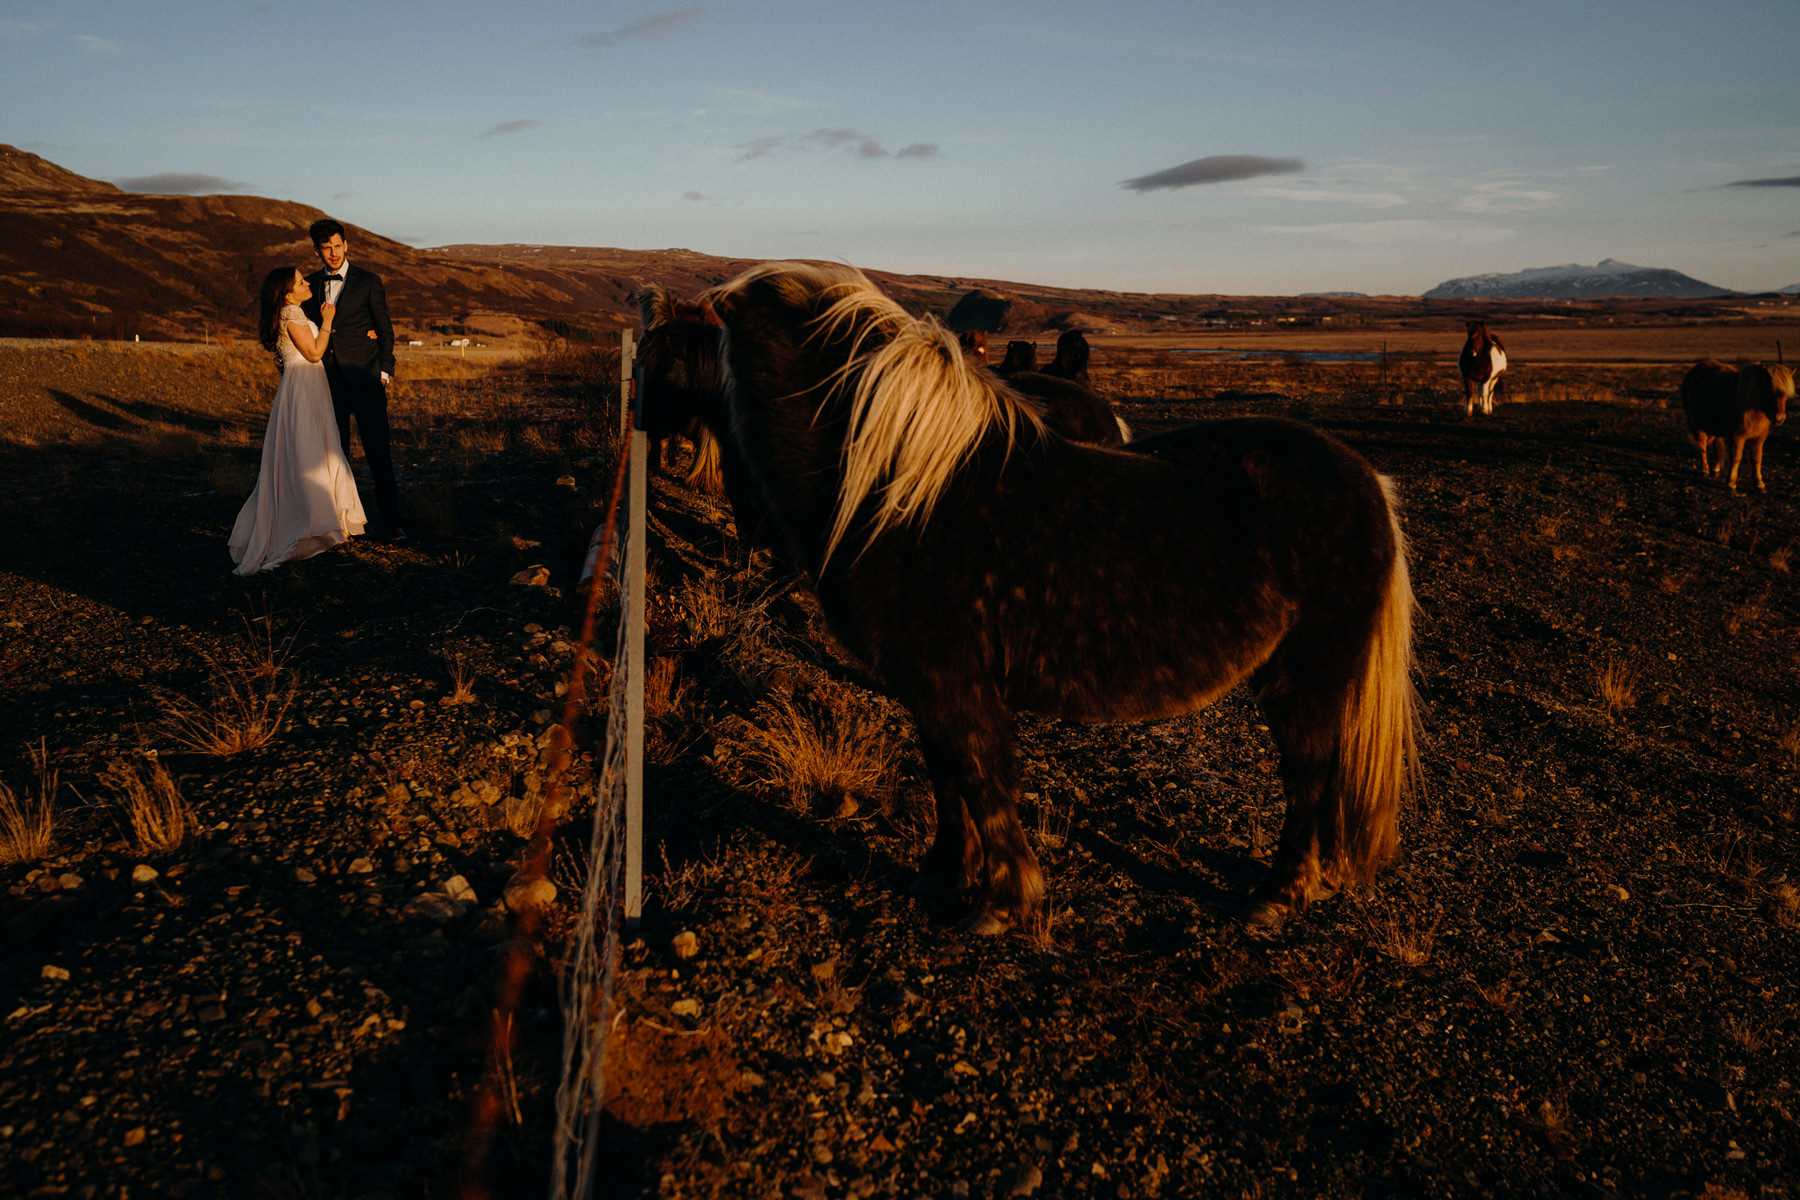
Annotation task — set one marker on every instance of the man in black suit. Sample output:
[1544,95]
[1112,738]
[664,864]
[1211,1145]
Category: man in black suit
[359,363]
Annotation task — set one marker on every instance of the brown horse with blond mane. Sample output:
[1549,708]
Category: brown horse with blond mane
[979,562]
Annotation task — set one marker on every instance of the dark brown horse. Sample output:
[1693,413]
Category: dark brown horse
[1735,406]
[1021,355]
[979,562]
[1071,361]
[1481,363]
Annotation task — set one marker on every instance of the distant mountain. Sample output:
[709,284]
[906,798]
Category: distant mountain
[1607,278]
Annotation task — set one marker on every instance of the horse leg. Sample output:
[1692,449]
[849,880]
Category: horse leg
[1737,458]
[1756,448]
[1468,397]
[969,749]
[1306,740]
[953,861]
[1701,442]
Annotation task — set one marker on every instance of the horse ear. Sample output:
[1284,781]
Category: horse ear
[653,304]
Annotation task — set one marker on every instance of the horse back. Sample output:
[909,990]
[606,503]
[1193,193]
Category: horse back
[1709,399]
[1166,573]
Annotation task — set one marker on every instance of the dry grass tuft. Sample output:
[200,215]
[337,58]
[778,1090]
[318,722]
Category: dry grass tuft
[1408,942]
[1618,684]
[822,751]
[462,684]
[159,815]
[28,822]
[250,692]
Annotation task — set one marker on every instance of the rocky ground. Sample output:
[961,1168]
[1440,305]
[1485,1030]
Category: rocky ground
[1579,980]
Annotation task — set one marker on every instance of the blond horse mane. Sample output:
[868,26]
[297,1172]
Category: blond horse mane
[918,409]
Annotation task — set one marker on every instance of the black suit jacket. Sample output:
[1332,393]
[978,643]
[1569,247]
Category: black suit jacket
[361,310]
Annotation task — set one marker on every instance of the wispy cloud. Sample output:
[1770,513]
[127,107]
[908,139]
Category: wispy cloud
[655,25]
[1214,168]
[93,44]
[692,196]
[1789,181]
[1400,232]
[853,142]
[178,183]
[1506,196]
[506,127]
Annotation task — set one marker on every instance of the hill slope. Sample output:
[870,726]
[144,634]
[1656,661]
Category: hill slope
[1572,281]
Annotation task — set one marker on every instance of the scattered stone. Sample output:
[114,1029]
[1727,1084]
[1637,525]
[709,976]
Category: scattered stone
[534,892]
[145,873]
[687,1006]
[533,576]
[361,866]
[685,944]
[52,971]
[435,907]
[69,881]
[305,875]
[458,888]
[1026,1180]
[136,1136]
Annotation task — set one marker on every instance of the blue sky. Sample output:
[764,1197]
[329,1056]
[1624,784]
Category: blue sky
[1267,148]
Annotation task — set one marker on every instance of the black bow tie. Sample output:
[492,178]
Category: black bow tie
[329,278]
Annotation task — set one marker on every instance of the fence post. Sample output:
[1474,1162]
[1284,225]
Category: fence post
[633,613]
[627,365]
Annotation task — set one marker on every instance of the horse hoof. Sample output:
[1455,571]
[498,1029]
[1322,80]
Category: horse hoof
[987,923]
[1265,919]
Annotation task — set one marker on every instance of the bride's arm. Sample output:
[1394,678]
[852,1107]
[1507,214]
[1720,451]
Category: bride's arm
[313,349]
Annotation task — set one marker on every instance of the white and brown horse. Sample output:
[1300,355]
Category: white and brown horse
[1735,407]
[1481,363]
[980,562]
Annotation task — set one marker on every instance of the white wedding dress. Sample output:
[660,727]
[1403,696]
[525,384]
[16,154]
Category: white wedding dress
[305,500]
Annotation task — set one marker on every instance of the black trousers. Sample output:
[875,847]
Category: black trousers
[357,392]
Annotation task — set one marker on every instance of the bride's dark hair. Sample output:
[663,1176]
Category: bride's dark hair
[276,285]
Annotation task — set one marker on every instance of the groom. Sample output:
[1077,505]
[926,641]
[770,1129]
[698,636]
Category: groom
[359,362]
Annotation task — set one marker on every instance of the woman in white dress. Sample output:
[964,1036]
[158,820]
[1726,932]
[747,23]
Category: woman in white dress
[305,500]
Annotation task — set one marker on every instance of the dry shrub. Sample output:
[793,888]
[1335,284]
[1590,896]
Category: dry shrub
[462,684]
[250,691]
[1782,557]
[163,442]
[664,688]
[159,815]
[821,751]
[1618,684]
[1790,741]
[1409,942]
[28,821]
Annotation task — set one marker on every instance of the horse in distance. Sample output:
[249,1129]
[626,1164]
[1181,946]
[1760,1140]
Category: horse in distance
[1021,355]
[929,503]
[1481,363]
[1071,360]
[1734,407]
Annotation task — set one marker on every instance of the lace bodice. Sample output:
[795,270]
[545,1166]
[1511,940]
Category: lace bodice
[284,345]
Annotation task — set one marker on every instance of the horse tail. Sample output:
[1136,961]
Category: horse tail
[1378,760]
[707,473]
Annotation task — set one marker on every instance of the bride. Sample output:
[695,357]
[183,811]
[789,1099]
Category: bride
[305,500]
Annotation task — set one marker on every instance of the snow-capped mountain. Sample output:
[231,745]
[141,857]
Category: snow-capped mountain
[1572,281]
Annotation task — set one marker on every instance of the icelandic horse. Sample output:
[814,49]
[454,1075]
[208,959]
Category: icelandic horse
[978,562]
[1481,363]
[1738,406]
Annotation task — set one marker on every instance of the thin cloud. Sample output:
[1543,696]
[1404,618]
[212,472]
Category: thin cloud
[177,183]
[1789,181]
[692,196]
[506,127]
[97,45]
[655,25]
[854,142]
[1214,168]
[1400,232]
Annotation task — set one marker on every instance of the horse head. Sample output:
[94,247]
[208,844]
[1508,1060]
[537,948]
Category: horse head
[1767,387]
[678,355]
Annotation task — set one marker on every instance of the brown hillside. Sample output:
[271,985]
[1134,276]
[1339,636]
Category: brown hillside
[81,258]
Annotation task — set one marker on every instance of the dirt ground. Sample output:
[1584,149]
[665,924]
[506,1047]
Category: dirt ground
[1579,980]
